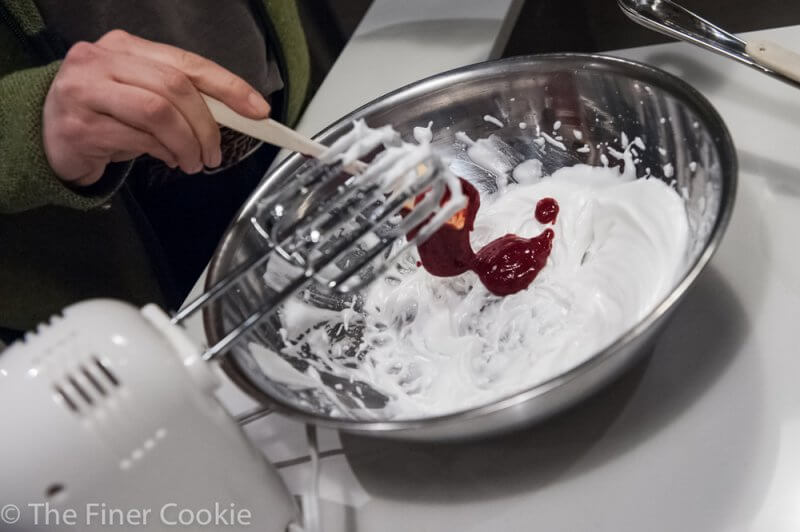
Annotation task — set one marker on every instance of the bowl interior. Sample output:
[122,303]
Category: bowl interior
[598,101]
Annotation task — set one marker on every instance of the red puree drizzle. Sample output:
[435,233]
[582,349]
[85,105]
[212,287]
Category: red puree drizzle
[511,263]
[505,265]
[547,210]
[447,252]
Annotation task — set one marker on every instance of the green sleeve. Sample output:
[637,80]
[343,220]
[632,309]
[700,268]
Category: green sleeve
[26,179]
[285,19]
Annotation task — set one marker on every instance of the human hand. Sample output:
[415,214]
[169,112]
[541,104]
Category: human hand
[124,96]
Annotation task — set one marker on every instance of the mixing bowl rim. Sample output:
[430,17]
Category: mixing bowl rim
[729,171]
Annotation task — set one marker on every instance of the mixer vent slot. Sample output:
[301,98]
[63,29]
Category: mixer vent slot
[105,370]
[66,399]
[87,386]
[78,388]
[94,382]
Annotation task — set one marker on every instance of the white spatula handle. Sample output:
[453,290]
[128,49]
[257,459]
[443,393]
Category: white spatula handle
[267,130]
[775,57]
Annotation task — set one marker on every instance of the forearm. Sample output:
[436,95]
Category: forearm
[26,179]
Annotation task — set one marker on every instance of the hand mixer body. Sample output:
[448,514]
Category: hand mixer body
[109,419]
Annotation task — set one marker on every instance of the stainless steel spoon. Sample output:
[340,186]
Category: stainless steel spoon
[678,22]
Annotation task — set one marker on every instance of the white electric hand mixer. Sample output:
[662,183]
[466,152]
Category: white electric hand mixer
[110,409]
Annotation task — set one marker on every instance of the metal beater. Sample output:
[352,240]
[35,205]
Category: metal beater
[358,211]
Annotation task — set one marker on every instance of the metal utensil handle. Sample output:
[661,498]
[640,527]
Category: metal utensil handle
[673,20]
[678,22]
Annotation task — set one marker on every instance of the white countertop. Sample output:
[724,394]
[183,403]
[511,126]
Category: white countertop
[704,436]
[398,42]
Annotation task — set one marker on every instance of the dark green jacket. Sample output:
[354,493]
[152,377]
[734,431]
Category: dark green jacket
[59,245]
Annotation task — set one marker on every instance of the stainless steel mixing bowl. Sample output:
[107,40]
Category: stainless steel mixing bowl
[602,98]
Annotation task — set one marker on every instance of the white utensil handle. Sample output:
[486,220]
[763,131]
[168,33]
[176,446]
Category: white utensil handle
[267,130]
[775,57]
